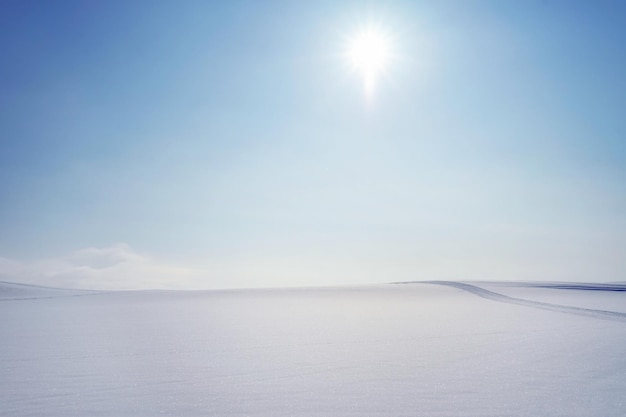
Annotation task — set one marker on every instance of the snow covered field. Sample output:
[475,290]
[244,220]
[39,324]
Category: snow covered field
[419,349]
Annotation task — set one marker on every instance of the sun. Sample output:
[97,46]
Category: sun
[369,52]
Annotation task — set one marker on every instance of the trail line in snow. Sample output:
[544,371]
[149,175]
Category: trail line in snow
[494,296]
[47,297]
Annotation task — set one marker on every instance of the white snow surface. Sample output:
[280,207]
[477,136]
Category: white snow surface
[418,349]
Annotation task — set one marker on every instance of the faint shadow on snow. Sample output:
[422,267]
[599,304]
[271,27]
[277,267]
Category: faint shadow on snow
[577,286]
[13,291]
[494,296]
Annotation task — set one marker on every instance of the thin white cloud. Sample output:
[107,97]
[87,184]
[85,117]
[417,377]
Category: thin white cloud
[101,258]
[120,267]
[114,267]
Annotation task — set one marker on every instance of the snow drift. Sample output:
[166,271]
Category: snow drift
[418,349]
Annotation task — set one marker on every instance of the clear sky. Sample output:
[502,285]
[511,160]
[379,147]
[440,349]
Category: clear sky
[200,144]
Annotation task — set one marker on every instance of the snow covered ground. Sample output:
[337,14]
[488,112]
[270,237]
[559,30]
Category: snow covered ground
[420,349]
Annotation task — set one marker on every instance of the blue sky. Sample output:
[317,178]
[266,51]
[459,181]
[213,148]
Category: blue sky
[225,144]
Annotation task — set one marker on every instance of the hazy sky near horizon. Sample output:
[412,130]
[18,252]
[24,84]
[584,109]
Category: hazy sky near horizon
[200,144]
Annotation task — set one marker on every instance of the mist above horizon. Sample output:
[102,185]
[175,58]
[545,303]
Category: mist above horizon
[221,145]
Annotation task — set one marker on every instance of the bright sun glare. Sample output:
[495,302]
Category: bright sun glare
[369,53]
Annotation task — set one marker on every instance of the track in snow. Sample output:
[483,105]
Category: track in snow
[494,296]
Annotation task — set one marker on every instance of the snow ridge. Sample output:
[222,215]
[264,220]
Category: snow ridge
[11,291]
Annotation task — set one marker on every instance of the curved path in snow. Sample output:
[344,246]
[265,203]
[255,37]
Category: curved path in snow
[490,295]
